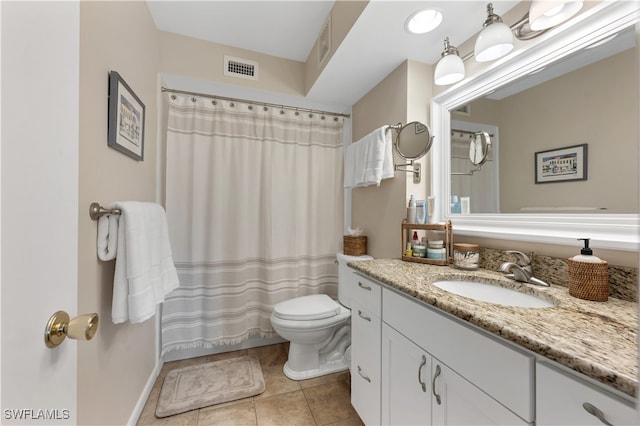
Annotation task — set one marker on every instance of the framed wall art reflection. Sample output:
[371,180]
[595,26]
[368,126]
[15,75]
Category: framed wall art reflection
[561,164]
[126,118]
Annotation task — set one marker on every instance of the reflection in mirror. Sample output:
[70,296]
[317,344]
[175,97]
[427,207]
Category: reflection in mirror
[607,228]
[589,97]
[413,140]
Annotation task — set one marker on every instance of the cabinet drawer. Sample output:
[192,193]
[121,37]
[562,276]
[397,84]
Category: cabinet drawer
[504,373]
[365,364]
[366,293]
[560,398]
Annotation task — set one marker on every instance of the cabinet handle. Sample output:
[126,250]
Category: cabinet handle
[364,317]
[433,384]
[594,411]
[362,375]
[422,364]
[366,287]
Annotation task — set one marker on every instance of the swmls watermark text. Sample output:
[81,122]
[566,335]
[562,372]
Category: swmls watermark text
[36,414]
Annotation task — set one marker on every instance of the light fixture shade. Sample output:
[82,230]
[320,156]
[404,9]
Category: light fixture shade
[545,14]
[493,42]
[449,70]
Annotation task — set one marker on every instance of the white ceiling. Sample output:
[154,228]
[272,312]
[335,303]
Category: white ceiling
[374,47]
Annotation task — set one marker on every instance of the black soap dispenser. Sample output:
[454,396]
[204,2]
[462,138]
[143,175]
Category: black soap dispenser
[588,275]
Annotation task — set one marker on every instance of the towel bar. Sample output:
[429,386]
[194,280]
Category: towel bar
[96,210]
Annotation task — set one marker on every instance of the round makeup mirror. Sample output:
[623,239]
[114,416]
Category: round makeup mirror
[413,140]
[479,148]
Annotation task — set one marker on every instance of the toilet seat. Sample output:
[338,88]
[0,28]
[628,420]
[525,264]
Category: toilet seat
[307,308]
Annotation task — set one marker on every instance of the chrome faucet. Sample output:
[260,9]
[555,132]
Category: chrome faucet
[521,270]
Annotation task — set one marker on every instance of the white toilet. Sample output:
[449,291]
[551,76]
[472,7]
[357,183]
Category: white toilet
[318,328]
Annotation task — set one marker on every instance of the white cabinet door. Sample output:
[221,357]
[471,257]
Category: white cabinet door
[456,401]
[365,364]
[406,381]
[561,399]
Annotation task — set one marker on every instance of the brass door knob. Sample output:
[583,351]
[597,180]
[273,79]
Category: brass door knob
[82,327]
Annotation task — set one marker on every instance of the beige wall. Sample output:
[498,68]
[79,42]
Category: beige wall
[403,96]
[344,14]
[114,367]
[190,57]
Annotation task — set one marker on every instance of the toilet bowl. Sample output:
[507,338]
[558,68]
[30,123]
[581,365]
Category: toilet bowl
[318,328]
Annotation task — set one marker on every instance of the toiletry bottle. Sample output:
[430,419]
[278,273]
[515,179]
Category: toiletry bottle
[414,240]
[408,252]
[431,209]
[586,254]
[588,275]
[411,210]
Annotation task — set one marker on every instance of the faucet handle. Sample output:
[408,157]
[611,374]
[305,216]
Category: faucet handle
[523,259]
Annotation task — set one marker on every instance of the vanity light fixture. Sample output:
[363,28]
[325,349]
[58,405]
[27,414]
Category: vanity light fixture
[495,40]
[545,14]
[450,67]
[423,21]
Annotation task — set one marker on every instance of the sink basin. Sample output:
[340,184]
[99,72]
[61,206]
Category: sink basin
[492,294]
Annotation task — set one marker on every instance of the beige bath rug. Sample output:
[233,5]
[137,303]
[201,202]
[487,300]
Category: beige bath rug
[208,384]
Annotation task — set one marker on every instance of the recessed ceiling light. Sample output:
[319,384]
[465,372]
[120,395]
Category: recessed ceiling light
[423,21]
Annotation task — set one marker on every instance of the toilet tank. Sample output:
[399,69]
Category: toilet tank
[347,278]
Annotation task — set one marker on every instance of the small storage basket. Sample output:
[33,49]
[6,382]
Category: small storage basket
[589,281]
[355,246]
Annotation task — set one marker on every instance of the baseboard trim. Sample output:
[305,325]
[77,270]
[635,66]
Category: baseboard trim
[137,410]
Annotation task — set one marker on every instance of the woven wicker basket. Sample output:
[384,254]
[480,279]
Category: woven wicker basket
[589,281]
[355,246]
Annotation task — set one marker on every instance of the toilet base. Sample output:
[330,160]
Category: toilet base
[324,369]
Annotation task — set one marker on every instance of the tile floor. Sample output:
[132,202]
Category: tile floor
[320,401]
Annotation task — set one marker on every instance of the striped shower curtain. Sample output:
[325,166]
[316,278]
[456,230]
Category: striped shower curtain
[254,202]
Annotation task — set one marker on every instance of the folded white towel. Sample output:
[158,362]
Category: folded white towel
[369,160]
[144,271]
[107,237]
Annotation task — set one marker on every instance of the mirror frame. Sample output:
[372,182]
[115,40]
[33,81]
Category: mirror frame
[610,231]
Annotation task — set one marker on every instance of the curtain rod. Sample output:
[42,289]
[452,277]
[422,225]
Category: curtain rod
[205,95]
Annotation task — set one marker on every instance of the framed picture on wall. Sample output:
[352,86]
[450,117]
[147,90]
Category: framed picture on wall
[126,118]
[561,164]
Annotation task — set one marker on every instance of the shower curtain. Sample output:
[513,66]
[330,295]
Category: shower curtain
[254,203]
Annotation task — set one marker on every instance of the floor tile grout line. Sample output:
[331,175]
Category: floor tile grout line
[315,420]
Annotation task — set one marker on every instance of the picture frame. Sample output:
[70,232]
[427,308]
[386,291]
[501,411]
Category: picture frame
[126,118]
[561,164]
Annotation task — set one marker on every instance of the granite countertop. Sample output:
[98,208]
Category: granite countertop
[597,339]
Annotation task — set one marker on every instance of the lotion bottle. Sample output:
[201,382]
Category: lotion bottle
[586,254]
[588,275]
[411,210]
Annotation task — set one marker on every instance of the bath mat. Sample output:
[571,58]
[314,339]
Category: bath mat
[198,386]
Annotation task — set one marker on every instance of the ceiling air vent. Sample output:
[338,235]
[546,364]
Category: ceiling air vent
[324,42]
[241,68]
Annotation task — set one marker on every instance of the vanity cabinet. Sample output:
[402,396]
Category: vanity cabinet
[419,389]
[475,376]
[561,399]
[406,378]
[407,355]
[365,348]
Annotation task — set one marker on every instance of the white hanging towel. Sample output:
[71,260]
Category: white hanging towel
[144,271]
[107,237]
[369,160]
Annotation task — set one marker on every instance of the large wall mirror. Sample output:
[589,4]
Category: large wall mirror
[563,120]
